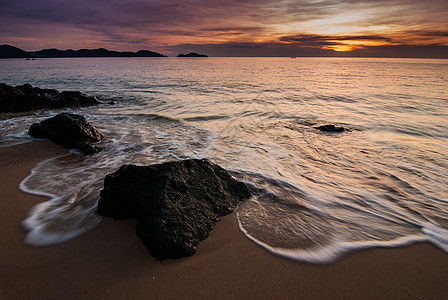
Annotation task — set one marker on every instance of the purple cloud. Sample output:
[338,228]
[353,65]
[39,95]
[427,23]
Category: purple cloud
[163,24]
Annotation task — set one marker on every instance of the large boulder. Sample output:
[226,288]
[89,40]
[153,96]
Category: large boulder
[69,130]
[177,203]
[25,97]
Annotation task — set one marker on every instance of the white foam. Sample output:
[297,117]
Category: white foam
[24,186]
[73,182]
[59,220]
[331,252]
[38,234]
[437,236]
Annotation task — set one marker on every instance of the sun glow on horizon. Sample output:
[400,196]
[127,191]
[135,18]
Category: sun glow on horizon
[342,48]
[351,45]
[233,28]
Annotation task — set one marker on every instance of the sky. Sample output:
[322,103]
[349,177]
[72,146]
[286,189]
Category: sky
[400,28]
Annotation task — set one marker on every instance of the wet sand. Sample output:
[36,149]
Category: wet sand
[109,262]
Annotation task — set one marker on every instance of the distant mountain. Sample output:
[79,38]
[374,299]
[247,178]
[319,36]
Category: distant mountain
[192,54]
[7,51]
[52,53]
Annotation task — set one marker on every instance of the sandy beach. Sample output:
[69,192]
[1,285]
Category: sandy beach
[109,262]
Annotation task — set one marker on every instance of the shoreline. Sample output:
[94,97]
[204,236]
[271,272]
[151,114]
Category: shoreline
[109,261]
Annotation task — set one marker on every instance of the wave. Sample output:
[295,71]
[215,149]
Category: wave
[383,182]
[73,181]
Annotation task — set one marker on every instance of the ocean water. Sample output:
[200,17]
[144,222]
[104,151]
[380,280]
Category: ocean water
[381,183]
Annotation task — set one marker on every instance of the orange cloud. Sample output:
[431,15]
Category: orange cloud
[342,26]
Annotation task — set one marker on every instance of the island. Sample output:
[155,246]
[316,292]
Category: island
[192,54]
[8,51]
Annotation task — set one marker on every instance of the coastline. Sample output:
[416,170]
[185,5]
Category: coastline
[109,262]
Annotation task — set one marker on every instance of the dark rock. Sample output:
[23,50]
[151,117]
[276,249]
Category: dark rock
[26,88]
[24,98]
[176,203]
[330,128]
[192,54]
[69,130]
[50,92]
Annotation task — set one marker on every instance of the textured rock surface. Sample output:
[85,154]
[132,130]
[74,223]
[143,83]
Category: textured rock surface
[28,98]
[69,130]
[176,203]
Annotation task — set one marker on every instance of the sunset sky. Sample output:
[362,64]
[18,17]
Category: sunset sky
[408,28]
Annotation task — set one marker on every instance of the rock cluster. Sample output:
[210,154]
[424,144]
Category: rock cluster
[25,97]
[176,203]
[69,130]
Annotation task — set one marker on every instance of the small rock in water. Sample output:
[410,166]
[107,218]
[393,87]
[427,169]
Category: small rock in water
[69,130]
[177,203]
[330,128]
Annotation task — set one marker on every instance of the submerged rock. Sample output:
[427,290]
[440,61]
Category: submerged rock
[25,97]
[330,128]
[177,203]
[69,130]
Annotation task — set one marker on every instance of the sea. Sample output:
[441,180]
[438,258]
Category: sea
[317,195]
